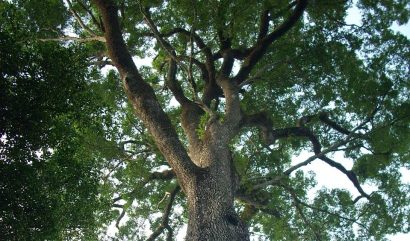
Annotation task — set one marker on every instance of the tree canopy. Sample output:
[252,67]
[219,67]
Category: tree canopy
[90,140]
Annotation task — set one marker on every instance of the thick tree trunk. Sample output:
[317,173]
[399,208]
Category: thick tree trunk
[207,174]
[211,199]
[212,216]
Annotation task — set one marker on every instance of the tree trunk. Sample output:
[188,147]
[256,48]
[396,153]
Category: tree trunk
[211,199]
[206,175]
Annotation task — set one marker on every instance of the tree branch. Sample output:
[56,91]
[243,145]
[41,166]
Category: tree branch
[271,135]
[164,175]
[255,202]
[317,148]
[262,45]
[165,217]
[190,113]
[209,59]
[258,74]
[122,214]
[173,84]
[77,39]
[227,65]
[300,211]
[237,53]
[202,67]
[79,20]
[93,18]
[264,24]
[198,40]
[142,95]
[324,118]
[296,199]
[233,113]
[332,148]
[230,90]
[165,45]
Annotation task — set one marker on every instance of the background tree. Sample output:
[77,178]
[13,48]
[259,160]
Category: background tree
[235,89]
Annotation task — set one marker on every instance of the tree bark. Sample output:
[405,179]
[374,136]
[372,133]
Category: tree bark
[210,198]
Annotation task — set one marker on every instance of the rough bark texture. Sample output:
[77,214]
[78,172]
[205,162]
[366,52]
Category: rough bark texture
[142,96]
[211,198]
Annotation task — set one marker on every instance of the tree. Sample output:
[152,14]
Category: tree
[235,89]
[52,116]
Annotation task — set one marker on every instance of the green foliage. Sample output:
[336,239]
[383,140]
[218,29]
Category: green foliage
[201,129]
[70,142]
[368,166]
[50,174]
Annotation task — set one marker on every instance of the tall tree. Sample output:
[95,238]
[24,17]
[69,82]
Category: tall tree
[234,90]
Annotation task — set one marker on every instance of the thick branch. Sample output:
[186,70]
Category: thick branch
[262,45]
[264,24]
[237,53]
[224,41]
[227,65]
[173,84]
[212,91]
[233,113]
[116,46]
[142,95]
[324,118]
